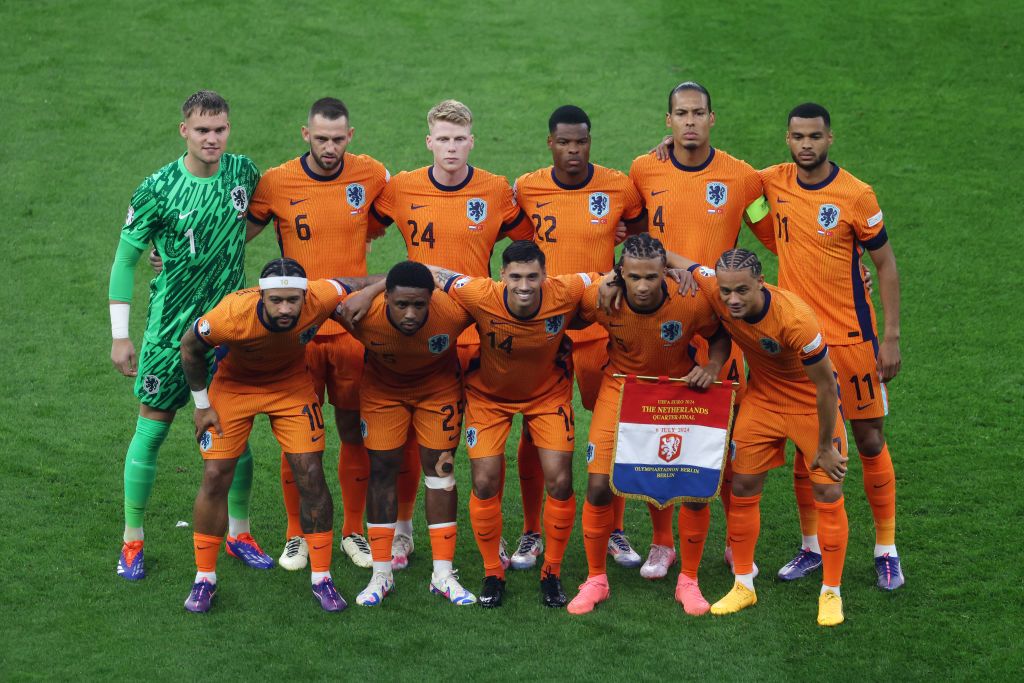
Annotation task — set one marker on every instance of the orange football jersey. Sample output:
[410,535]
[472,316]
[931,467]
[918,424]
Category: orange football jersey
[574,225]
[654,342]
[321,221]
[257,356]
[821,232]
[520,358]
[398,360]
[777,344]
[697,211]
[452,226]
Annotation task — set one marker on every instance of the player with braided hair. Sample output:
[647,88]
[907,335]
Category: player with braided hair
[649,335]
[792,394]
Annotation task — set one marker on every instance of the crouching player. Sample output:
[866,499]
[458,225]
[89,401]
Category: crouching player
[649,335]
[791,394]
[411,378]
[265,331]
[526,369]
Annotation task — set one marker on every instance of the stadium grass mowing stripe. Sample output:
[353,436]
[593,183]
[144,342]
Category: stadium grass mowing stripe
[920,96]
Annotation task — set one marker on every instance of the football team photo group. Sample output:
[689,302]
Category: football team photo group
[608,279]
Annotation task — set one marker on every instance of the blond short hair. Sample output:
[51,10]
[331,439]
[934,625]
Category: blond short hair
[451,111]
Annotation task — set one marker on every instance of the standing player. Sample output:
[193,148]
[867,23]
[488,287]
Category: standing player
[320,203]
[525,369]
[412,380]
[792,394]
[265,331]
[696,200]
[192,210]
[575,207]
[650,336]
[450,215]
[824,219]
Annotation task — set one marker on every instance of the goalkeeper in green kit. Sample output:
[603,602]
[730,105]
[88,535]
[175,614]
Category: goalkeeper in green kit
[193,211]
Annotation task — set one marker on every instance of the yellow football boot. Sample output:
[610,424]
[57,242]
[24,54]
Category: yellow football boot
[740,597]
[830,609]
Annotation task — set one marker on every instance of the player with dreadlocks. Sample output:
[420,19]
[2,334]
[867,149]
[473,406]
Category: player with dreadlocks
[791,394]
[649,335]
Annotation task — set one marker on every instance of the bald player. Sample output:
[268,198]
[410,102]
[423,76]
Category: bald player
[791,395]
[320,203]
[575,207]
[823,219]
[697,199]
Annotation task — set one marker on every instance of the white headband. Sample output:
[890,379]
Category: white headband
[283,282]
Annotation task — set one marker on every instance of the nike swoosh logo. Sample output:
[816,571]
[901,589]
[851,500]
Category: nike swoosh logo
[878,486]
[501,322]
[615,325]
[690,540]
[780,200]
[183,216]
[361,479]
[417,206]
[655,193]
[562,528]
[540,204]
[203,547]
[293,202]
[448,537]
[317,438]
[588,536]
[453,437]
[865,405]
[830,548]
[373,343]
[321,547]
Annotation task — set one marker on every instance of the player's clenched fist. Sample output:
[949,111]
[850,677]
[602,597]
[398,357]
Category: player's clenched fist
[122,355]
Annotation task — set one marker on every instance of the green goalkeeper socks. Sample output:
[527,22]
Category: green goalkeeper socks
[241,486]
[140,468]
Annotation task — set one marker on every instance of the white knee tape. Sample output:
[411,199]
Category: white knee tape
[440,483]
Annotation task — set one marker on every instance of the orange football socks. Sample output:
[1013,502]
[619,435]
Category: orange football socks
[559,516]
[206,549]
[321,545]
[833,533]
[744,528]
[804,491]
[290,491]
[442,541]
[661,525]
[354,478]
[381,537]
[531,484]
[598,522]
[693,531]
[880,488]
[486,518]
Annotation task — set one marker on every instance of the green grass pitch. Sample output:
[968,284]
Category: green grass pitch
[926,100]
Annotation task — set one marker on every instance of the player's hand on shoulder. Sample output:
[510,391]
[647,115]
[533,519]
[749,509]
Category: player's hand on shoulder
[205,418]
[685,280]
[889,359]
[609,293]
[663,148]
[155,262]
[122,355]
[354,308]
[831,462]
[700,377]
[621,233]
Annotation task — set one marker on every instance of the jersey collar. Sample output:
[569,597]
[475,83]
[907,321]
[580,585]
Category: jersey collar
[754,319]
[691,169]
[504,299]
[316,176]
[564,186]
[823,183]
[449,188]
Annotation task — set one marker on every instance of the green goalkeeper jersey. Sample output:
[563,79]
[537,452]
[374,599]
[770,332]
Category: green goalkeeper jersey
[198,227]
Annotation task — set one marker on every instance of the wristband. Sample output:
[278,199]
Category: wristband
[119,320]
[202,399]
